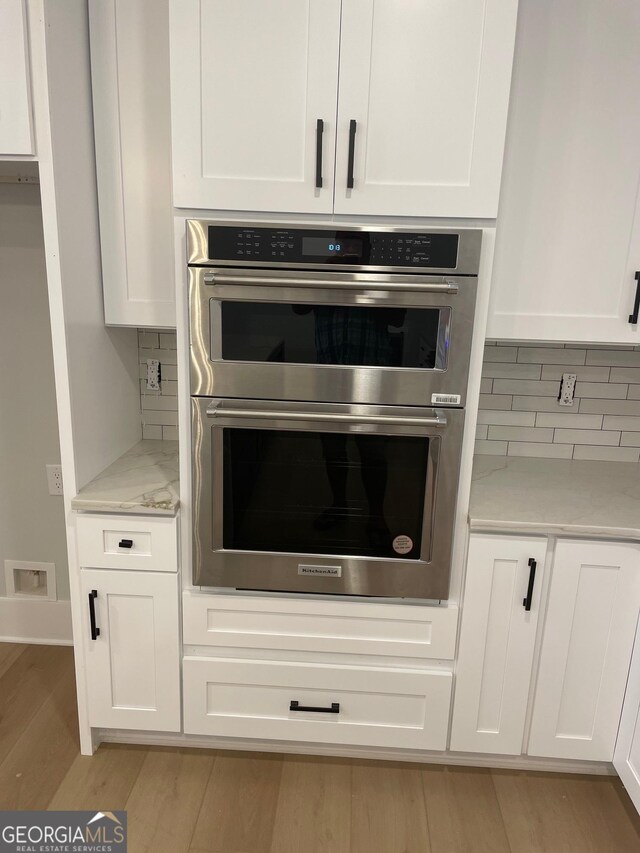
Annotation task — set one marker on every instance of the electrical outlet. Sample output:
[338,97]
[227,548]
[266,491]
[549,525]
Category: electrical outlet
[153,374]
[567,389]
[54,479]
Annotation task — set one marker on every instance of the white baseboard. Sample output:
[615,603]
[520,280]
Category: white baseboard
[458,759]
[26,620]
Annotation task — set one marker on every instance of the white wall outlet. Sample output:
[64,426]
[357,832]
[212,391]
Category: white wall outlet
[153,374]
[567,389]
[25,579]
[54,479]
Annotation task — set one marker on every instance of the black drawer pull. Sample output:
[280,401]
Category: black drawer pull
[296,706]
[95,631]
[526,602]
[633,318]
[319,131]
[352,153]
[125,543]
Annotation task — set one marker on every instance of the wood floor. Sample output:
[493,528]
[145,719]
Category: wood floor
[197,801]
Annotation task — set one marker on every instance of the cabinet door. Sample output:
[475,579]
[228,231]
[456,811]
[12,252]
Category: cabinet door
[586,648]
[249,82]
[130,82]
[133,665]
[567,244]
[497,639]
[427,84]
[626,758]
[15,107]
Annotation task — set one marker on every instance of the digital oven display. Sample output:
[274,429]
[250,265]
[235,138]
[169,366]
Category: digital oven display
[327,247]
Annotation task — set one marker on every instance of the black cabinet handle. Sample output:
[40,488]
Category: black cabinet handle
[526,602]
[95,631]
[319,131]
[633,318]
[296,706]
[352,153]
[125,543]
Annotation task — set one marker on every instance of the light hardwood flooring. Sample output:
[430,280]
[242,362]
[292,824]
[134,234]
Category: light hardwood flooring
[200,801]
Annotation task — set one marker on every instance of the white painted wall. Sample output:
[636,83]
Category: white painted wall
[31,521]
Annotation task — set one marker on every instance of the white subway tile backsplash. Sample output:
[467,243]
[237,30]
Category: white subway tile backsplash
[568,421]
[504,370]
[159,408]
[514,433]
[494,416]
[491,448]
[583,372]
[586,436]
[521,413]
[526,386]
[481,431]
[601,390]
[544,355]
[606,454]
[500,354]
[548,451]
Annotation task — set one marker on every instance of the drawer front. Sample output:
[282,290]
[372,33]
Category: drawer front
[361,628]
[402,708]
[127,542]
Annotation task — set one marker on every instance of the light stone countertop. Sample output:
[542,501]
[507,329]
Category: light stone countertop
[143,480]
[554,496]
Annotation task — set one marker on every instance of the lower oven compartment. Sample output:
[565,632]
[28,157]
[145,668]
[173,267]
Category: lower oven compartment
[329,498]
[283,700]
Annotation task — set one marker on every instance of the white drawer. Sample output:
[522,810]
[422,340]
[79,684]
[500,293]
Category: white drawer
[404,708]
[348,627]
[103,542]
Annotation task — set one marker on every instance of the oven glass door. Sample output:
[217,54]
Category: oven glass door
[318,492]
[354,335]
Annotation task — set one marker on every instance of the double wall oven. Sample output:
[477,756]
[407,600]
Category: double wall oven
[329,372]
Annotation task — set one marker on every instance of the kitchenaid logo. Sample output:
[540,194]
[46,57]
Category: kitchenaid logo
[332,571]
[63,832]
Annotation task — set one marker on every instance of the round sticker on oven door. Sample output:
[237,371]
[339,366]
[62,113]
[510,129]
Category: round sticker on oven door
[402,544]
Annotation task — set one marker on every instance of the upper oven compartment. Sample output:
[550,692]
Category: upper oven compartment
[350,337]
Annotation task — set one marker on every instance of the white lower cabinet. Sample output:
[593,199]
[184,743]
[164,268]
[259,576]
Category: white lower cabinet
[498,633]
[132,649]
[314,702]
[626,758]
[586,650]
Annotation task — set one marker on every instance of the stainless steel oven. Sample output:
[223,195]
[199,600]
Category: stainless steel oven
[324,497]
[329,373]
[392,334]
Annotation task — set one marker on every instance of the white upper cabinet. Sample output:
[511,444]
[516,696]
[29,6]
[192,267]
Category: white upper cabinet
[420,91]
[427,84]
[15,104]
[586,649]
[131,109]
[568,237]
[250,81]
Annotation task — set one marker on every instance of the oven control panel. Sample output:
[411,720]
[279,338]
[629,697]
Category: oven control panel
[300,246]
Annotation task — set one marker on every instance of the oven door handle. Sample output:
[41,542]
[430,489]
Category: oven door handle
[445,286]
[215,410]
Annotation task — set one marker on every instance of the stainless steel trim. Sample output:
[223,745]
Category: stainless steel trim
[470,240]
[218,409]
[387,283]
[426,578]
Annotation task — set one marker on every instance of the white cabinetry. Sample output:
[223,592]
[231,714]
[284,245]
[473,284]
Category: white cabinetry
[15,102]
[133,663]
[428,87]
[130,81]
[587,642]
[426,84]
[568,237]
[249,82]
[498,633]
[626,758]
